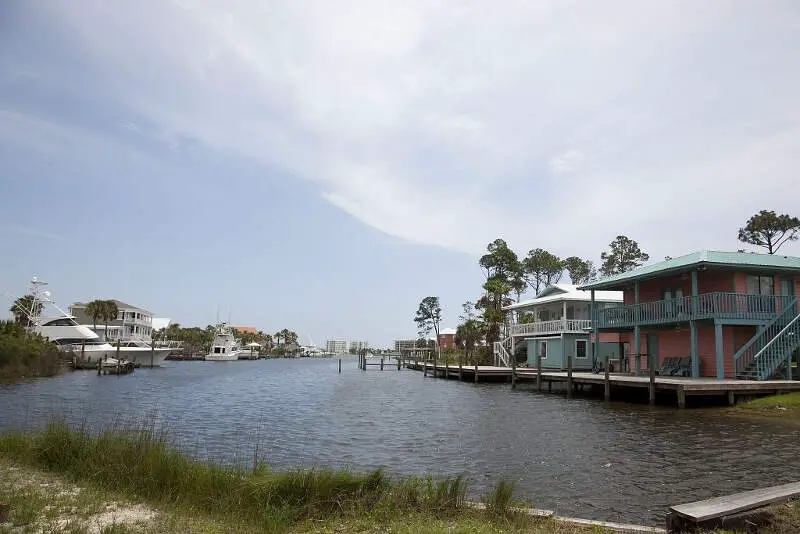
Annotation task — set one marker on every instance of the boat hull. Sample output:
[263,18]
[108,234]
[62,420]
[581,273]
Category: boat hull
[227,357]
[139,356]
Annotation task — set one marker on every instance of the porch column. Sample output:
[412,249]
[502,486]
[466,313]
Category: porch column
[636,341]
[695,355]
[720,353]
[594,328]
[564,315]
[563,350]
[693,328]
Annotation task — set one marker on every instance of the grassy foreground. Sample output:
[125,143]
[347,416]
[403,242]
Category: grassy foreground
[786,406]
[132,481]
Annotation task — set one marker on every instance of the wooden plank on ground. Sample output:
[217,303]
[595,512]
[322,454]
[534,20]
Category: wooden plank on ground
[701,511]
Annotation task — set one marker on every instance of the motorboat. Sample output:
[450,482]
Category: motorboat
[81,341]
[224,347]
[251,351]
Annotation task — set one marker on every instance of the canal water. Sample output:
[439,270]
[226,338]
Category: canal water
[580,457]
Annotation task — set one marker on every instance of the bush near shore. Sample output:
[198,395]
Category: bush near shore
[24,354]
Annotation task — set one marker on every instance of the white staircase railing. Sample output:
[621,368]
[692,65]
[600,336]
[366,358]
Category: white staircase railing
[501,355]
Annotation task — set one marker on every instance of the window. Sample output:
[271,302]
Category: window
[543,350]
[786,287]
[670,293]
[216,350]
[580,349]
[760,285]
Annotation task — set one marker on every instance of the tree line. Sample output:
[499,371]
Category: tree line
[196,339]
[507,274]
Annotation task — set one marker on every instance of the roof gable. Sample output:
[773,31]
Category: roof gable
[746,260]
[559,292]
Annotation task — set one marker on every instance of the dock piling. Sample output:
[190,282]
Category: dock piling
[569,375]
[539,372]
[681,398]
[381,363]
[607,383]
[652,386]
[476,371]
[340,365]
[460,370]
[513,371]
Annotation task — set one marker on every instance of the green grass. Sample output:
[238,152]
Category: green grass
[205,497]
[785,406]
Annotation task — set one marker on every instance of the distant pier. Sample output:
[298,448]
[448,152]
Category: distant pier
[608,384]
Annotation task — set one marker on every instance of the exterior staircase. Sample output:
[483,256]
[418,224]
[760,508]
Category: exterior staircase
[501,354]
[767,352]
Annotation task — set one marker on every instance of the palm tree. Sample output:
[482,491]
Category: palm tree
[24,308]
[278,337]
[109,312]
[95,310]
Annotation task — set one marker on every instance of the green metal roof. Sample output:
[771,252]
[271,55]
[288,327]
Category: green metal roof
[748,260]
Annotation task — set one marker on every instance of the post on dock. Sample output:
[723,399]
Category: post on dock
[83,350]
[118,344]
[476,370]
[381,363]
[681,397]
[99,366]
[538,371]
[424,366]
[731,398]
[460,369]
[340,365]
[651,368]
[399,363]
[569,375]
[607,382]
[447,369]
[434,367]
[513,371]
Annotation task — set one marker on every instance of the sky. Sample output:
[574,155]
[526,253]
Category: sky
[323,165]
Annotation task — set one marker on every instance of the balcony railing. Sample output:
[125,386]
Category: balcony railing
[741,306]
[550,327]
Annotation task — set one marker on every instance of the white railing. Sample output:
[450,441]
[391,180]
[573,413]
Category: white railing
[550,327]
[501,354]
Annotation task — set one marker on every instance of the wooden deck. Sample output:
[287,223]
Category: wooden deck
[712,513]
[677,388]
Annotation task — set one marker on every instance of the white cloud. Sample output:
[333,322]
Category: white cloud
[567,162]
[446,123]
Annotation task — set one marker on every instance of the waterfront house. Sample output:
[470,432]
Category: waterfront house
[556,325]
[245,330]
[447,338]
[723,314]
[132,322]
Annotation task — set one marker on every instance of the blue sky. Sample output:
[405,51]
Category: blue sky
[323,166]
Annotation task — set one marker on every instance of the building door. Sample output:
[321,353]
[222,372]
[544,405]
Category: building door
[787,289]
[652,350]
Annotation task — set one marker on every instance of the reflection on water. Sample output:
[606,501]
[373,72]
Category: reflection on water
[580,457]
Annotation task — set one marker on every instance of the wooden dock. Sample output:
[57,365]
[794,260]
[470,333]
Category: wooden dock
[606,383]
[731,512]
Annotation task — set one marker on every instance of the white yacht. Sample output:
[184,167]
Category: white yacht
[82,341]
[225,347]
